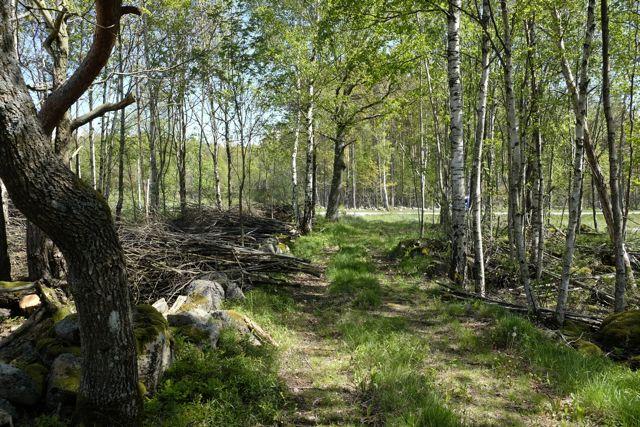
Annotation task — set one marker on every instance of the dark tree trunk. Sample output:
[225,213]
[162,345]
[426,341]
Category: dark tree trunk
[339,165]
[71,213]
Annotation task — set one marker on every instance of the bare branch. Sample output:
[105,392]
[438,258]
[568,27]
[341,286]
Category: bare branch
[101,111]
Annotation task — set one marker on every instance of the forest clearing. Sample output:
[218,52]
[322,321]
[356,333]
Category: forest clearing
[319,212]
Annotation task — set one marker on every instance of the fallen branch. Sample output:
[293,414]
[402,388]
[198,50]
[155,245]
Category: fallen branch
[544,313]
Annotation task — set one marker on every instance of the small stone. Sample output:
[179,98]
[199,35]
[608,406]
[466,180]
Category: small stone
[29,303]
[16,386]
[161,305]
[5,313]
[68,329]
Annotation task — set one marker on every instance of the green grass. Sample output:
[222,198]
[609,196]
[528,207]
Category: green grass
[414,357]
[386,358]
[236,384]
[601,390]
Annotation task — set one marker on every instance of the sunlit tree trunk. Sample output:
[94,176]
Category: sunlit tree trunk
[616,195]
[443,197]
[294,154]
[517,161]
[310,173]
[5,261]
[537,190]
[576,180]
[457,270]
[215,156]
[476,171]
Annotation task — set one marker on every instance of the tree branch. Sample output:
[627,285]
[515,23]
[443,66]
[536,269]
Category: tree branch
[108,14]
[101,111]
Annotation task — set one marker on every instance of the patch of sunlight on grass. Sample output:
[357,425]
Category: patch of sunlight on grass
[601,390]
[388,364]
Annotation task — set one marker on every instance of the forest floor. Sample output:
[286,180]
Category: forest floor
[376,342]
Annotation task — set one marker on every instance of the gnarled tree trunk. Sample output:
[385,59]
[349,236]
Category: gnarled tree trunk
[71,213]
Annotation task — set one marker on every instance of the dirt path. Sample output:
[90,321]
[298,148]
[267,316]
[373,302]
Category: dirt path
[315,370]
[480,385]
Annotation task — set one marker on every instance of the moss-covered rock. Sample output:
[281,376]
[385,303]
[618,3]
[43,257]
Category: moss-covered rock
[154,345]
[68,329]
[621,331]
[64,381]
[38,374]
[148,323]
[588,348]
[51,347]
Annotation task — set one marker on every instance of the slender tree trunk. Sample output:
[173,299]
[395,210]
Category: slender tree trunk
[5,261]
[309,184]
[227,144]
[576,181]
[616,196]
[476,171]
[457,270]
[423,157]
[92,146]
[537,208]
[214,155]
[294,155]
[445,217]
[517,162]
[592,156]
[354,173]
[122,141]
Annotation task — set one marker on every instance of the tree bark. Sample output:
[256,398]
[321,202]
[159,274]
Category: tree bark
[577,175]
[592,156]
[122,145]
[537,190]
[616,195]
[517,161]
[476,171]
[294,155]
[309,185]
[457,270]
[53,198]
[339,165]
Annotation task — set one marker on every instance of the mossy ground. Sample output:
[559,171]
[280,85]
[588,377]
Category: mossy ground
[376,342]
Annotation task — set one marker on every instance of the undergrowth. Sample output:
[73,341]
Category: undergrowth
[235,384]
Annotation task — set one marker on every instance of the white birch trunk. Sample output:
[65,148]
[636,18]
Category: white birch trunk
[458,244]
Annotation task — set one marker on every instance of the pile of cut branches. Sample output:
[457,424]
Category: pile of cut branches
[163,258]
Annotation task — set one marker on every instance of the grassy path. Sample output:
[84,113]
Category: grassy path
[374,342]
